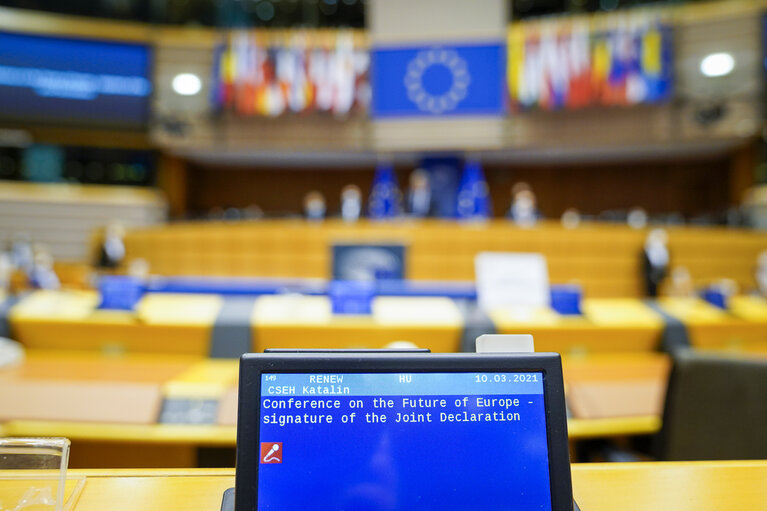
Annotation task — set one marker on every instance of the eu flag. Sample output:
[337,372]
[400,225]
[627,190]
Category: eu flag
[385,198]
[473,194]
[439,80]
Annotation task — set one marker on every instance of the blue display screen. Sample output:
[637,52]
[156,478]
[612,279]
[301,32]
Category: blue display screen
[397,442]
[51,79]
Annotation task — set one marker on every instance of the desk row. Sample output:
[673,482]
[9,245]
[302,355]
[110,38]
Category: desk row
[150,398]
[227,326]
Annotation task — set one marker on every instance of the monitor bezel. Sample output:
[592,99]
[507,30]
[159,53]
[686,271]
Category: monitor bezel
[253,365]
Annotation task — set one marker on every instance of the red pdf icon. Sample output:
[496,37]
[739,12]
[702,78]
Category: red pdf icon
[271,452]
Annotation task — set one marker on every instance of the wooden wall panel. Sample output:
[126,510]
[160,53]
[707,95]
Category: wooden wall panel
[689,187]
[604,259]
[276,191]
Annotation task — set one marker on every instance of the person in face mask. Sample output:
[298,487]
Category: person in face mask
[419,203]
[655,261]
[314,206]
[524,206]
[43,276]
[112,250]
[761,273]
[351,203]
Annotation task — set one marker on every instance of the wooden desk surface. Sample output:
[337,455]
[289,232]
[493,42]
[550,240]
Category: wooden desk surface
[194,377]
[607,325]
[284,321]
[741,328]
[698,486]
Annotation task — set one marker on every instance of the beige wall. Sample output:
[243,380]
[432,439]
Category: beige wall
[397,21]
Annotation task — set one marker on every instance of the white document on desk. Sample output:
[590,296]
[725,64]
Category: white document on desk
[511,280]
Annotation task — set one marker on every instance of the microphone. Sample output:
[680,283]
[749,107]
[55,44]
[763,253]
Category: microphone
[274,449]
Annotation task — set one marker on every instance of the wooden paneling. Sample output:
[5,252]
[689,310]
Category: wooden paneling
[689,187]
[276,191]
[604,259]
[64,216]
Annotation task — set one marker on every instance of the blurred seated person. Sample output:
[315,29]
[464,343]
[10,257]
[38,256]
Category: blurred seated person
[314,206]
[42,275]
[6,272]
[232,214]
[112,249]
[351,203]
[571,218]
[419,202]
[216,213]
[252,212]
[524,205]
[22,257]
[139,269]
[637,218]
[761,273]
[655,261]
[680,283]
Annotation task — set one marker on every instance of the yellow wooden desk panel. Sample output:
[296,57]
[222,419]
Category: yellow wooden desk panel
[109,337]
[694,486]
[178,309]
[121,433]
[307,322]
[179,324]
[693,310]
[607,325]
[751,308]
[48,305]
[162,490]
[598,367]
[621,311]
[678,486]
[713,328]
[97,367]
[578,429]
[613,394]
[207,379]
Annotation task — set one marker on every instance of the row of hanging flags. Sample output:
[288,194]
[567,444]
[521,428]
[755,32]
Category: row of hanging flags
[553,63]
[609,59]
[292,72]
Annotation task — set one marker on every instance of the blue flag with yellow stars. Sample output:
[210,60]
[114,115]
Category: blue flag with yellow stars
[473,194]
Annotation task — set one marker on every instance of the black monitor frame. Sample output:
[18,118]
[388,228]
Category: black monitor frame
[252,365]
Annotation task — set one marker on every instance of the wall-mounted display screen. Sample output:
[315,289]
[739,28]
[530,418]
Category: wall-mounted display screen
[74,81]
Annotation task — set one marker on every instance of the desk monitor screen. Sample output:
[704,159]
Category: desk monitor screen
[440,433]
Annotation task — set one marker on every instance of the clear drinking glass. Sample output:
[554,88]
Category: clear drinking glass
[33,475]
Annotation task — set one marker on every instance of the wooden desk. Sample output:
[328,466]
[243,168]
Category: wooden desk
[743,328]
[694,486]
[151,445]
[607,325]
[307,322]
[179,324]
[615,394]
[698,486]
